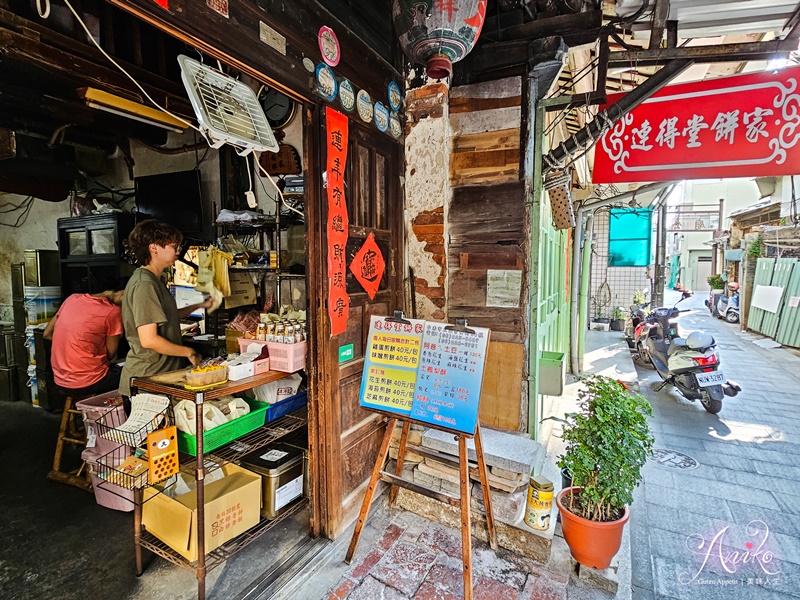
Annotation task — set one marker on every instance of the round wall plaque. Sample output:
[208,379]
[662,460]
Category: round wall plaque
[347,95]
[395,127]
[395,96]
[329,46]
[381,116]
[326,82]
[364,106]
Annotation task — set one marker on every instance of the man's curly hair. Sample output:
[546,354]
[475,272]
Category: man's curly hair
[151,231]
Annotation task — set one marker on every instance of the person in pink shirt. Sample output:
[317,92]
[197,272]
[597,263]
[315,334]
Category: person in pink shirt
[85,332]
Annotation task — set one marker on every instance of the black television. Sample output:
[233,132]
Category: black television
[175,198]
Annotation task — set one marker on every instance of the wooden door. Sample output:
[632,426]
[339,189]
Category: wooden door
[349,437]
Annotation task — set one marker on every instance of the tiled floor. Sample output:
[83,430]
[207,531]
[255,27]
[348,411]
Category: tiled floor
[419,559]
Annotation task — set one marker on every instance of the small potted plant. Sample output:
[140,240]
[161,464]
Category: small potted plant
[618,320]
[608,442]
[717,283]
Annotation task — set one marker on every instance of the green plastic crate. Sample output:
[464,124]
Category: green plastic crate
[219,436]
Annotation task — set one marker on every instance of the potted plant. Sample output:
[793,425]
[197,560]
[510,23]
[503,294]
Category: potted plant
[716,282]
[618,320]
[608,442]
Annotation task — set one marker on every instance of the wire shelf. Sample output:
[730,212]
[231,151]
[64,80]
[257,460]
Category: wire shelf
[219,555]
[250,442]
[109,469]
[108,427]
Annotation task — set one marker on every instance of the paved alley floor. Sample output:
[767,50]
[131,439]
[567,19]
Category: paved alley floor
[729,527]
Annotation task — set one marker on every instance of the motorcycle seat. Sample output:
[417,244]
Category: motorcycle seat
[677,345]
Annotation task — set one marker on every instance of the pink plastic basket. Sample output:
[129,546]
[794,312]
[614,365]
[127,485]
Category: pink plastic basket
[287,358]
[244,343]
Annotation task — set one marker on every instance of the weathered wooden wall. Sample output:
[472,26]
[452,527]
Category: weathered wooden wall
[487,229]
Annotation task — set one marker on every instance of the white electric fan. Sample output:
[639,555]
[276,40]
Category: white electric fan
[227,109]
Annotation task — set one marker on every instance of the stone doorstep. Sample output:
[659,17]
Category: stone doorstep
[604,579]
[515,453]
[526,542]
[512,531]
[451,473]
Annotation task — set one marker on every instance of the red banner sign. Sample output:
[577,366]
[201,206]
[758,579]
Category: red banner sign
[338,223]
[742,126]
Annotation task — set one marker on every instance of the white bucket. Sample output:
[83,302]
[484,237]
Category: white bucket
[41,303]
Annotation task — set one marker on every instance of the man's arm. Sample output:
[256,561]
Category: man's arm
[48,331]
[149,338]
[187,310]
[112,343]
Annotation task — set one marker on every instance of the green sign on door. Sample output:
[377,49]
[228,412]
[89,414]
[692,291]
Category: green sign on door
[346,353]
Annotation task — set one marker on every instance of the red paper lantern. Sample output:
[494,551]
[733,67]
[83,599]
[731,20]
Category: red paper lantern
[438,33]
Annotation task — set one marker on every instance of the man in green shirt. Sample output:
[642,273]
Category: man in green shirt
[150,317]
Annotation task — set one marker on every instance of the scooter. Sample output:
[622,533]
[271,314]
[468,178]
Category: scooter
[690,364]
[636,332]
[728,307]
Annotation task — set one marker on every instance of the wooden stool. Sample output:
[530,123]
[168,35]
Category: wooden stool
[71,432]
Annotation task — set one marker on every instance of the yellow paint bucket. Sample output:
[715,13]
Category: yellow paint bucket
[540,502]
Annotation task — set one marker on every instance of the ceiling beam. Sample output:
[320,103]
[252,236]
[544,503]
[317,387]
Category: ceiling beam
[660,15]
[558,25]
[704,54]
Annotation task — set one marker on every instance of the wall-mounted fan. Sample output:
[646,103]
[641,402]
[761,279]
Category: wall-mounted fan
[227,109]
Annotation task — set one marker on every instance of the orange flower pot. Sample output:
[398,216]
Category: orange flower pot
[592,543]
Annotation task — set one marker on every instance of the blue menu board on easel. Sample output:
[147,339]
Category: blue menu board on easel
[450,376]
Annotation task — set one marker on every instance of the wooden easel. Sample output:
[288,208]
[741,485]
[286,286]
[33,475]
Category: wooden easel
[396,480]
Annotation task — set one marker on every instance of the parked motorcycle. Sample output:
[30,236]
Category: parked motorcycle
[636,332]
[728,306]
[690,364]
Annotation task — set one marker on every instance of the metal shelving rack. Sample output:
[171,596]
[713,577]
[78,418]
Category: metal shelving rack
[171,385]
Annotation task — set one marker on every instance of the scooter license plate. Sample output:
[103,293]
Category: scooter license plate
[709,379]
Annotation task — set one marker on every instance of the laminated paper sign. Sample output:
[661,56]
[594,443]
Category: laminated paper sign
[448,389]
[425,371]
[338,300]
[741,126]
[390,365]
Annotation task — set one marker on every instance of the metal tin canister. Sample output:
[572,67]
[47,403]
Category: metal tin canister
[540,502]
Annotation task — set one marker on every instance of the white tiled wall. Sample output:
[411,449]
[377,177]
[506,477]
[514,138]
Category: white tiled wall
[611,286]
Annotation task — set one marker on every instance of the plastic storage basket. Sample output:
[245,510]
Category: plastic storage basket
[284,407]
[219,436]
[287,358]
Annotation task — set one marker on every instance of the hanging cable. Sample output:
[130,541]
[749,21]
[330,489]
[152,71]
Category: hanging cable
[280,194]
[129,76]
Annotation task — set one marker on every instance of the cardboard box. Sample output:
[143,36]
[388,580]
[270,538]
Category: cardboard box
[233,504]
[240,371]
[243,292]
[232,340]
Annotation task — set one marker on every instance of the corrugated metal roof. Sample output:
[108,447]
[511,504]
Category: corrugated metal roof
[711,18]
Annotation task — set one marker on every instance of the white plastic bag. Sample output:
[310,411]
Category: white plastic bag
[275,391]
[184,417]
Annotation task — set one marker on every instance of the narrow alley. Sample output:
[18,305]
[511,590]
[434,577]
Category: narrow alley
[724,523]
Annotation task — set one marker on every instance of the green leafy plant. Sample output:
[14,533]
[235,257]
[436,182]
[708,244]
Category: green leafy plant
[608,442]
[716,282]
[639,297]
[755,249]
[619,312]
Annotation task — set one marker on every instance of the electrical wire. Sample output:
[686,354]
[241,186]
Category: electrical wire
[275,185]
[116,64]
[26,206]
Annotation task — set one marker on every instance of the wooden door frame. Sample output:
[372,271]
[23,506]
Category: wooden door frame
[324,398]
